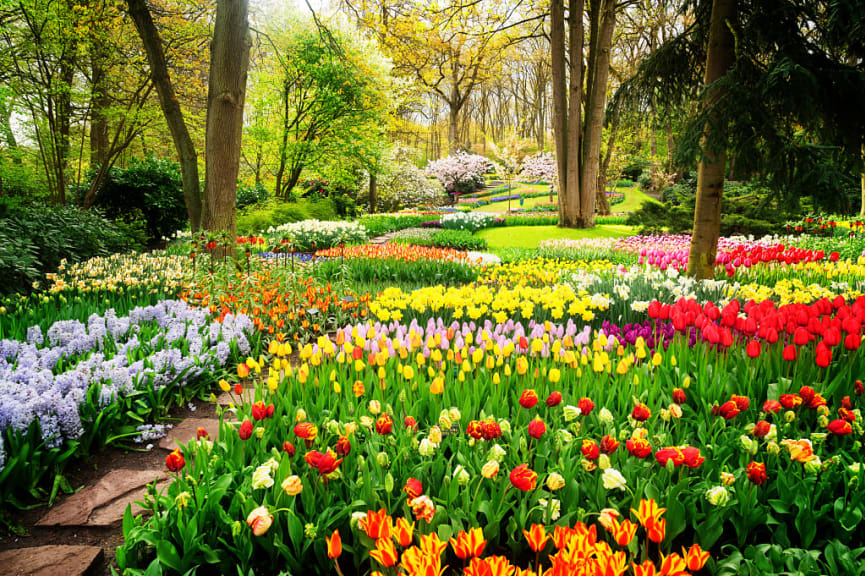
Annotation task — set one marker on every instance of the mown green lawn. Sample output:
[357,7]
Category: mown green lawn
[531,236]
[634,198]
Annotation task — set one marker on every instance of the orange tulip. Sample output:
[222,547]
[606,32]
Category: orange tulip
[537,537]
[649,516]
[695,557]
[469,544]
[647,568]
[385,552]
[377,524]
[492,566]
[334,545]
[242,370]
[431,545]
[673,565]
[657,530]
[404,532]
[624,532]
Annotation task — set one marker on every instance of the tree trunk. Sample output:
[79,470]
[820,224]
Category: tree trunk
[566,106]
[453,127]
[170,109]
[671,144]
[574,192]
[595,104]
[710,173]
[99,103]
[226,93]
[603,203]
[862,209]
[64,124]
[373,192]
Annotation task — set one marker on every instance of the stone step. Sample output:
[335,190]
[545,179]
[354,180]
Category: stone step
[187,430]
[104,503]
[50,560]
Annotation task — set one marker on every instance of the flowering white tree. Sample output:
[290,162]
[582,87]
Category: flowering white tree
[461,172]
[540,166]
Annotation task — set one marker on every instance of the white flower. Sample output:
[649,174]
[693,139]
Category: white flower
[612,479]
[426,448]
[556,508]
[261,477]
[605,416]
[717,496]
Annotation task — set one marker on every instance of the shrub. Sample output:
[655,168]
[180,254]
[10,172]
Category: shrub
[36,238]
[401,184]
[634,169]
[274,213]
[249,195]
[379,224]
[150,190]
[748,209]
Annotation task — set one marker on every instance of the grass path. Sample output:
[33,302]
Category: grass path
[531,236]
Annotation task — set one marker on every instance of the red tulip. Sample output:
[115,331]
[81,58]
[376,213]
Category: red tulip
[289,448]
[523,478]
[586,406]
[641,412]
[590,449]
[413,488]
[772,406]
[554,399]
[761,428]
[537,428]
[528,399]
[757,473]
[639,447]
[608,444]
[245,430]
[840,427]
[175,461]
[729,410]
[679,396]
[753,349]
[789,353]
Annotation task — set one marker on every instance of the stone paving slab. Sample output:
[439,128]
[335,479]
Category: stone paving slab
[187,430]
[104,503]
[227,398]
[50,560]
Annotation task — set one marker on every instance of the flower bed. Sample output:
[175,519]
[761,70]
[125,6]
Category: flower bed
[508,425]
[313,234]
[80,386]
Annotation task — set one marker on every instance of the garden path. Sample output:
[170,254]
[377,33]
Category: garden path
[79,534]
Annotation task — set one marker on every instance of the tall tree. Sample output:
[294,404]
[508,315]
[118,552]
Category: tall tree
[168,100]
[710,173]
[578,139]
[226,93]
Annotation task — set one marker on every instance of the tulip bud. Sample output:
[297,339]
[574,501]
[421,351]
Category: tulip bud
[789,416]
[388,483]
[497,453]
[490,469]
[310,531]
[718,496]
[727,479]
[462,476]
[571,413]
[814,466]
[773,448]
[603,461]
[382,459]
[605,416]
[555,481]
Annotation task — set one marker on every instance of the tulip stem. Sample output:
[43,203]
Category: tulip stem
[336,563]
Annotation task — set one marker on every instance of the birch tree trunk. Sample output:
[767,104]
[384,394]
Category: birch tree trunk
[710,173]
